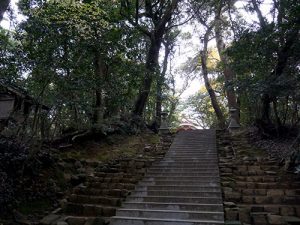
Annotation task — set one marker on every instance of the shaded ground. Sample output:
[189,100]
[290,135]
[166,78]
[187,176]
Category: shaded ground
[35,188]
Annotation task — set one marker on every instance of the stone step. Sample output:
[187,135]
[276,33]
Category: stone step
[182,172]
[104,192]
[122,174]
[89,210]
[191,153]
[205,161]
[182,183]
[173,206]
[187,163]
[186,179]
[175,199]
[153,221]
[77,220]
[200,154]
[176,193]
[111,185]
[192,167]
[85,199]
[177,188]
[113,180]
[181,175]
[189,158]
[173,214]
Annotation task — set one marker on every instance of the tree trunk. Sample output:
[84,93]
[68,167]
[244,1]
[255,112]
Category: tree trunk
[160,83]
[259,14]
[210,90]
[266,108]
[3,7]
[152,67]
[228,73]
[100,72]
[277,118]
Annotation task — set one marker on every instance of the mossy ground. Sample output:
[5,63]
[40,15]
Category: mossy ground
[113,147]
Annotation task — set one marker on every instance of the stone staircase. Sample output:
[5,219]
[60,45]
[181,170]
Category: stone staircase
[107,185]
[256,190]
[182,189]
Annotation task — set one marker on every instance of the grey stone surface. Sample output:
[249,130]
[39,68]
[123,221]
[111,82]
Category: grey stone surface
[181,189]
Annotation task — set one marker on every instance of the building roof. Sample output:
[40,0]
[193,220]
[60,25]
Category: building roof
[22,93]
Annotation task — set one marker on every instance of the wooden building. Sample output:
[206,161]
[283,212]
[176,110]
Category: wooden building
[16,104]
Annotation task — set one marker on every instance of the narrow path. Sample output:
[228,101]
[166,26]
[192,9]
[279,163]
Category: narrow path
[182,189]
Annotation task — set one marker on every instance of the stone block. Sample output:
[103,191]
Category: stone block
[50,219]
[257,209]
[247,199]
[89,210]
[297,210]
[244,216]
[251,185]
[232,196]
[76,220]
[269,179]
[287,211]
[252,172]
[247,191]
[229,205]
[277,199]
[243,173]
[254,168]
[260,172]
[275,192]
[226,170]
[231,214]
[275,219]
[262,185]
[262,199]
[95,221]
[273,209]
[62,223]
[259,219]
[290,192]
[260,191]
[109,211]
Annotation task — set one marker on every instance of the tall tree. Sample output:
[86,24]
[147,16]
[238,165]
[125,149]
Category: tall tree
[158,14]
[210,90]
[228,73]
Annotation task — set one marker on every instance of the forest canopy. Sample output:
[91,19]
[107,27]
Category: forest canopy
[94,63]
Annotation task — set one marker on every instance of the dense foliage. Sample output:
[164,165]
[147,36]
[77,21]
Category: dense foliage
[96,61]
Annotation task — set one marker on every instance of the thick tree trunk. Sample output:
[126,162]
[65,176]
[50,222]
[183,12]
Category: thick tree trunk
[3,7]
[228,73]
[152,67]
[100,72]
